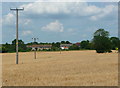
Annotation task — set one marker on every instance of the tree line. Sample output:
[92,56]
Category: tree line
[101,42]
[9,48]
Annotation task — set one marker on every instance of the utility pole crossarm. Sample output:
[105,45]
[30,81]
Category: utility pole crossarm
[16,8]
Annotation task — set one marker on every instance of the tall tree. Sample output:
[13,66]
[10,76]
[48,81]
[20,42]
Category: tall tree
[101,41]
[22,46]
[101,32]
[19,41]
[67,42]
[63,42]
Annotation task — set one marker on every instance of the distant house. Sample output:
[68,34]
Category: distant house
[39,47]
[78,44]
[65,46]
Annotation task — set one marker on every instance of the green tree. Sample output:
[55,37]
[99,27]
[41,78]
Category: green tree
[22,47]
[74,47]
[55,46]
[85,44]
[8,48]
[4,49]
[63,42]
[31,43]
[67,42]
[101,32]
[19,41]
[114,42]
[101,41]
[0,48]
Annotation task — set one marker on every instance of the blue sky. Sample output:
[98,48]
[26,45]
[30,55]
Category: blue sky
[52,22]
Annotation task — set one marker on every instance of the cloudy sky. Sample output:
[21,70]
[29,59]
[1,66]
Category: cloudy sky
[52,22]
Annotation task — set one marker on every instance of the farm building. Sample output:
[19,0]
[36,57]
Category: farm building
[78,44]
[65,46]
[39,47]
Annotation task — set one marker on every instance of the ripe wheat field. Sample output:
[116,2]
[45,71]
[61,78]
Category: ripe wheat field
[70,68]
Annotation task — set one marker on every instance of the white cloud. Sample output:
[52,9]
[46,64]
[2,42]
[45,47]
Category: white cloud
[61,1]
[55,26]
[8,19]
[104,12]
[49,8]
[25,21]
[27,32]
[74,8]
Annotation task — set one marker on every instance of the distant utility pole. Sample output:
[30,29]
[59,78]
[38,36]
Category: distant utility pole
[34,39]
[60,50]
[17,9]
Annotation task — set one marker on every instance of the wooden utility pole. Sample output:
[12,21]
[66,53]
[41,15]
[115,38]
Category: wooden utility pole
[34,39]
[17,9]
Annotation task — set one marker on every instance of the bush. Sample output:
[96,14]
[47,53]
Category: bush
[74,47]
[85,45]
[110,51]
[99,51]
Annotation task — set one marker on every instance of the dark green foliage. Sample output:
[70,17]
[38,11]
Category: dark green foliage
[55,48]
[101,32]
[12,47]
[19,41]
[4,49]
[102,44]
[119,46]
[57,44]
[65,42]
[22,46]
[74,47]
[31,43]
[101,41]
[85,45]
[114,42]
[8,48]
[0,49]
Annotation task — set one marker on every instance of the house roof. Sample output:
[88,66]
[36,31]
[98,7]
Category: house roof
[39,46]
[78,44]
[66,45]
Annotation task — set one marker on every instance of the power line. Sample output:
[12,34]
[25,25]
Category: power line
[17,9]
